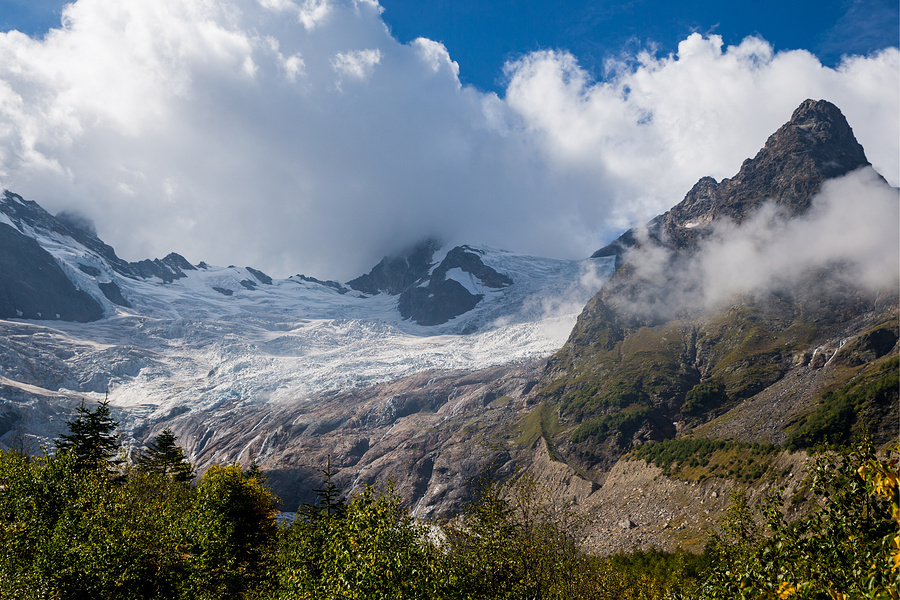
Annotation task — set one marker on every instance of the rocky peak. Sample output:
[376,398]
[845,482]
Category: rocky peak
[436,299]
[815,145]
[27,214]
[395,273]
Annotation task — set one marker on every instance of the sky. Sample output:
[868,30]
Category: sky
[315,136]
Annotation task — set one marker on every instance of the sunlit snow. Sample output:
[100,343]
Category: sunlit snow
[185,346]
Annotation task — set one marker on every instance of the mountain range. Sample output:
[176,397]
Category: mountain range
[720,323]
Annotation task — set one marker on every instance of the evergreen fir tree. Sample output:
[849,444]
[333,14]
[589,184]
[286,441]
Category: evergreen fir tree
[164,457]
[330,501]
[92,438]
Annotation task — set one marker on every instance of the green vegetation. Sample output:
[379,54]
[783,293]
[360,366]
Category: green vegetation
[646,368]
[623,424]
[92,438]
[693,459]
[366,547]
[543,421]
[164,457]
[69,531]
[848,546]
[707,395]
[858,406]
[748,345]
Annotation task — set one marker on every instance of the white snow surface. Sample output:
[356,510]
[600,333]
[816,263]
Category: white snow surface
[186,346]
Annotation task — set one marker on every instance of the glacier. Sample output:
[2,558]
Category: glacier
[230,336]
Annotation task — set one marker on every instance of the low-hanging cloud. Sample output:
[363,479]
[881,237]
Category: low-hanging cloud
[851,232]
[299,136]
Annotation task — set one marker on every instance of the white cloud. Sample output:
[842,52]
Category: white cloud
[310,13]
[651,129]
[853,228]
[215,129]
[435,54]
[357,64]
[851,232]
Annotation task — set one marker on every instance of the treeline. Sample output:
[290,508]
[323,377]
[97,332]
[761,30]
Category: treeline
[82,524]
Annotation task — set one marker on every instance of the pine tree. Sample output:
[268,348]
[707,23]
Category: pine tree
[164,457]
[92,438]
[330,502]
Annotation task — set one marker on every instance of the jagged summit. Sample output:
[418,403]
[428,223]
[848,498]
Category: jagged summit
[28,217]
[815,145]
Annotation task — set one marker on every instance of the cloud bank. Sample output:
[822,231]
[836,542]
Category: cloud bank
[299,136]
[851,233]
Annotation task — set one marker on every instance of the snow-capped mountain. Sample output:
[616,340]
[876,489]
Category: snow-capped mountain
[166,337]
[432,368]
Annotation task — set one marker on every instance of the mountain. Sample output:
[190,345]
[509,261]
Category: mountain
[202,349]
[724,331]
[817,144]
[432,292]
[653,357]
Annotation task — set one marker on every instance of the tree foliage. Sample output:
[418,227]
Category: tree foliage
[848,546]
[70,532]
[92,438]
[164,457]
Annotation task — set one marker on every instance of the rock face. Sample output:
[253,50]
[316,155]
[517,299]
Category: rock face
[430,293]
[28,215]
[434,434]
[437,298]
[396,273]
[33,286]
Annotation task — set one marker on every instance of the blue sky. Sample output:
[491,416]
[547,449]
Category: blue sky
[315,136]
[482,36]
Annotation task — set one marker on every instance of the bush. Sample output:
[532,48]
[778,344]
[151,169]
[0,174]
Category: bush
[368,548]
[848,546]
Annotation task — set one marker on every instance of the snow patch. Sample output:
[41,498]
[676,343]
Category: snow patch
[473,284]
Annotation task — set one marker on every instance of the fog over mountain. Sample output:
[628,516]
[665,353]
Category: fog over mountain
[303,137]
[848,232]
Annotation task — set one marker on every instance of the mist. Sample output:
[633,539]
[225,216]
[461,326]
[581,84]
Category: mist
[850,234]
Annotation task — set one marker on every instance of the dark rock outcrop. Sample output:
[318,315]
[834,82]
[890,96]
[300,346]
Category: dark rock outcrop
[260,276]
[396,273]
[440,299]
[114,294]
[329,283]
[437,303]
[33,286]
[427,295]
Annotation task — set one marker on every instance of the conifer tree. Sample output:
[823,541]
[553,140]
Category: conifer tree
[164,457]
[330,502]
[92,438]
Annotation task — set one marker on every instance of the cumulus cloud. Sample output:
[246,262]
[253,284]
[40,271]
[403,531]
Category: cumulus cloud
[357,64]
[317,143]
[851,232]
